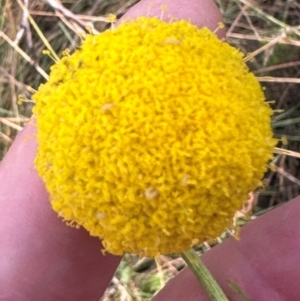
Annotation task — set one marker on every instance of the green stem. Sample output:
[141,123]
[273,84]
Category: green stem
[204,276]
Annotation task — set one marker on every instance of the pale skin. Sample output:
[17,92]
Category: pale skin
[43,259]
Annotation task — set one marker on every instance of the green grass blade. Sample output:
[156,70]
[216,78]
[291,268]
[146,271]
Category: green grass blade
[285,114]
[283,123]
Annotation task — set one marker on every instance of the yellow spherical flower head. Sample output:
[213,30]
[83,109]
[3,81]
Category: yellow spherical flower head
[151,135]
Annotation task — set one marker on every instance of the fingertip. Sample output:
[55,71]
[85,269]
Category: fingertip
[199,12]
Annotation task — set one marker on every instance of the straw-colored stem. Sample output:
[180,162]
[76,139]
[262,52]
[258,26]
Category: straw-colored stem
[204,276]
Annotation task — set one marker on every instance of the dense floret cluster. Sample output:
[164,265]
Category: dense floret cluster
[151,135]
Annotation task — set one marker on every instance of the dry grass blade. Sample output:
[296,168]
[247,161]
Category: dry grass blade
[278,79]
[286,174]
[250,56]
[269,17]
[284,39]
[24,55]
[5,138]
[38,30]
[11,124]
[277,67]
[286,152]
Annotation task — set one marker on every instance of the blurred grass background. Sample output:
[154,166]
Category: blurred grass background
[268,29]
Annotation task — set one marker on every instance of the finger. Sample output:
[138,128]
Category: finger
[199,12]
[262,265]
[40,257]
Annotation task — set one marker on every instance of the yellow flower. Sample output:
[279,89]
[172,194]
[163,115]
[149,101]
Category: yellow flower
[151,135]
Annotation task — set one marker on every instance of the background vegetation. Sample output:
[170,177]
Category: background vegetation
[267,29]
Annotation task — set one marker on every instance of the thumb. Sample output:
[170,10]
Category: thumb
[40,257]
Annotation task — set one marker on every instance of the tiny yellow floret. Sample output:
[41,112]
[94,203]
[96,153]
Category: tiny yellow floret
[111,18]
[151,136]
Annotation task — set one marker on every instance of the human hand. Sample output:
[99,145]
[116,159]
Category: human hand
[40,257]
[263,264]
